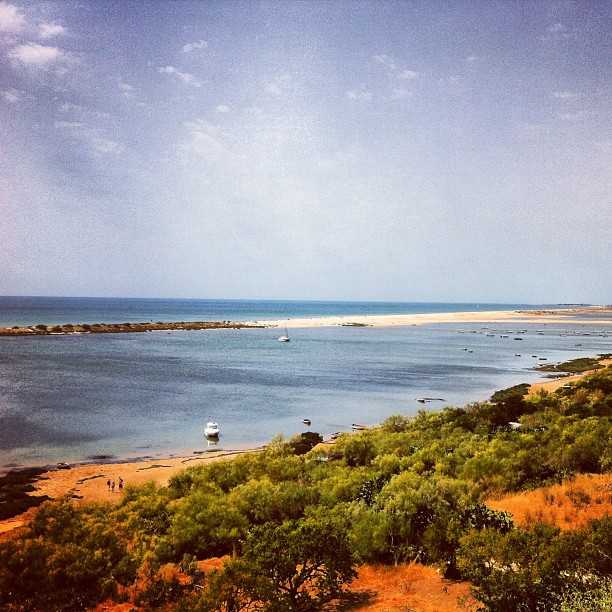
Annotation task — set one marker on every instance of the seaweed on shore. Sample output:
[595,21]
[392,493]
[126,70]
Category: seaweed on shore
[14,488]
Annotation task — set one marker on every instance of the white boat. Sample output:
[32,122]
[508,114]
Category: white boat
[211,429]
[285,337]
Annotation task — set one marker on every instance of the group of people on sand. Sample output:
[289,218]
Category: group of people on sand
[111,485]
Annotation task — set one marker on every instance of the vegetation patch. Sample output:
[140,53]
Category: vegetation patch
[14,489]
[573,366]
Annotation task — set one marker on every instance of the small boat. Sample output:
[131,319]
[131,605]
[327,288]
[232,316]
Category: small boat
[211,429]
[285,337]
[358,427]
[62,465]
[335,435]
[306,421]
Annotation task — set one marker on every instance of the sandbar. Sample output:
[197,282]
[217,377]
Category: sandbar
[595,315]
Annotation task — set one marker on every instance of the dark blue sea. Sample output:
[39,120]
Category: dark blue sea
[76,398]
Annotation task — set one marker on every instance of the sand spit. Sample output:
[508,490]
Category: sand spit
[575,315]
[562,315]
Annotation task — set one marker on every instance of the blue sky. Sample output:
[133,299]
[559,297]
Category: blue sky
[412,151]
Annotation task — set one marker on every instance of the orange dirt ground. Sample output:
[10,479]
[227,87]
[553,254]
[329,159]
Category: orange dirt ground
[404,588]
[569,505]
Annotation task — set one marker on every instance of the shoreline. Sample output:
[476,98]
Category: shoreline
[575,315]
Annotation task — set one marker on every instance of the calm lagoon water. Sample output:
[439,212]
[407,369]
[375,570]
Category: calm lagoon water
[72,398]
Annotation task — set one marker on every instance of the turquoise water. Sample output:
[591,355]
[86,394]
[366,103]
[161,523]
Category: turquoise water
[74,398]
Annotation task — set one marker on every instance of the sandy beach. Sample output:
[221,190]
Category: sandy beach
[88,483]
[561,315]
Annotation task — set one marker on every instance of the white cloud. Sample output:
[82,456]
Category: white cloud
[187,78]
[33,54]
[359,94]
[471,59]
[222,108]
[279,85]
[557,31]
[49,30]
[10,18]
[105,145]
[67,107]
[273,88]
[12,95]
[385,60]
[399,93]
[195,46]
[206,141]
[577,116]
[69,125]
[564,95]
[408,74]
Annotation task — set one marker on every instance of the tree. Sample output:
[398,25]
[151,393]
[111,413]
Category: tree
[303,563]
[305,442]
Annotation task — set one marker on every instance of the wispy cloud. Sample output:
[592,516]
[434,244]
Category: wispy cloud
[185,77]
[194,46]
[222,108]
[11,19]
[49,30]
[399,93]
[384,59]
[392,66]
[557,31]
[93,138]
[34,55]
[359,94]
[577,116]
[279,85]
[12,95]
[69,125]
[205,141]
[564,95]
[106,146]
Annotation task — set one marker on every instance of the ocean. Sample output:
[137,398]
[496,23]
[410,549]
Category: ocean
[82,398]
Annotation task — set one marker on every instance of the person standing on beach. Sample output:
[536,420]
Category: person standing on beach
[108,484]
[113,486]
[120,484]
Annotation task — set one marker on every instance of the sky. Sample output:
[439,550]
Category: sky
[446,151]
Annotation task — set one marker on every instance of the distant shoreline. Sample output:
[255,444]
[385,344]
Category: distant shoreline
[577,315]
